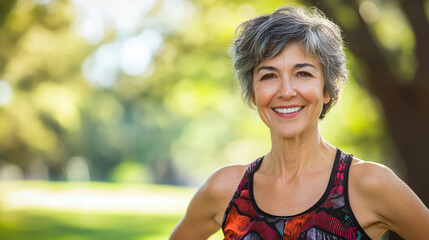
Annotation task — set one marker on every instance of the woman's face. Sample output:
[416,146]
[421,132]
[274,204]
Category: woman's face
[288,91]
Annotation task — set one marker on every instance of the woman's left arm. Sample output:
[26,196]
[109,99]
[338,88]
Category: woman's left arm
[402,210]
[395,205]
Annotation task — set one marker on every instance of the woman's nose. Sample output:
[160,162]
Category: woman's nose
[286,89]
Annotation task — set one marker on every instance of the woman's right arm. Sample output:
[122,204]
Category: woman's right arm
[205,211]
[199,221]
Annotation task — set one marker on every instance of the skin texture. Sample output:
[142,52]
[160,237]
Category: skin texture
[300,162]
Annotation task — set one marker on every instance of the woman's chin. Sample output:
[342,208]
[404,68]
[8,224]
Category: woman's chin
[287,134]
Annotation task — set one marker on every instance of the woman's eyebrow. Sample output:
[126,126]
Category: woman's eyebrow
[271,68]
[301,65]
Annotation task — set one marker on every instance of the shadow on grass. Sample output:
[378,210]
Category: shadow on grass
[61,225]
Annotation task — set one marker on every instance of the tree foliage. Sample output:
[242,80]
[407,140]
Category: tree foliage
[178,120]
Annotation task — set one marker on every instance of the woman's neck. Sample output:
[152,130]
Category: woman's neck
[292,156]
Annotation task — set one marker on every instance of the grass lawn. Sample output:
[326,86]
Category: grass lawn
[81,211]
[43,225]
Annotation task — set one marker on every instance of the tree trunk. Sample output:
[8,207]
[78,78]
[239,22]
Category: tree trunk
[405,105]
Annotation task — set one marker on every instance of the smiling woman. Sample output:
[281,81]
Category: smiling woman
[288,91]
[291,65]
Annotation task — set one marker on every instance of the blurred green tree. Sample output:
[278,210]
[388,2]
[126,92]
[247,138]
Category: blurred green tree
[55,114]
[41,67]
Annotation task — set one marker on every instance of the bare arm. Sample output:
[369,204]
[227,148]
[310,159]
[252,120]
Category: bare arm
[391,204]
[198,223]
[206,209]
[403,212]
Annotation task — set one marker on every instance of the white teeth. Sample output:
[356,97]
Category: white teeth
[287,110]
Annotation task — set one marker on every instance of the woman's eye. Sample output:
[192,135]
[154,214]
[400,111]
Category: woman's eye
[303,74]
[268,76]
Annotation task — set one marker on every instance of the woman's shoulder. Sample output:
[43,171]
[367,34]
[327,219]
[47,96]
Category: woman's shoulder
[219,188]
[223,182]
[207,207]
[372,180]
[370,177]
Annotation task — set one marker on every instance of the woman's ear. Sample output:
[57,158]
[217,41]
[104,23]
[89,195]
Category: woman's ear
[326,97]
[253,100]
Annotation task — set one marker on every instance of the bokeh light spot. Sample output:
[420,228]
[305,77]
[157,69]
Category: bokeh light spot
[101,68]
[369,11]
[6,93]
[78,169]
[137,52]
[42,2]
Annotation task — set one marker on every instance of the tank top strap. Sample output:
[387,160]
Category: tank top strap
[341,173]
[244,183]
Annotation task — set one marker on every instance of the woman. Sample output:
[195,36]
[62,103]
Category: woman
[290,66]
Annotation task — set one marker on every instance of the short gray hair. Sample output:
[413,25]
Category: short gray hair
[266,36]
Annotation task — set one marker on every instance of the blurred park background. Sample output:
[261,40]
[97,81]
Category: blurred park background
[112,112]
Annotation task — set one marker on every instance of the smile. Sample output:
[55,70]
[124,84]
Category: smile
[287,110]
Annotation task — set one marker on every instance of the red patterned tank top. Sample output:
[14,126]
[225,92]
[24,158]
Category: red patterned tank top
[330,218]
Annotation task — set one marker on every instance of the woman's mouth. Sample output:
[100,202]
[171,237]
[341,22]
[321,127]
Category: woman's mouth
[288,110]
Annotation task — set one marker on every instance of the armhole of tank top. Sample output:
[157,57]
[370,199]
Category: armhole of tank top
[234,197]
[349,161]
[228,209]
[231,202]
